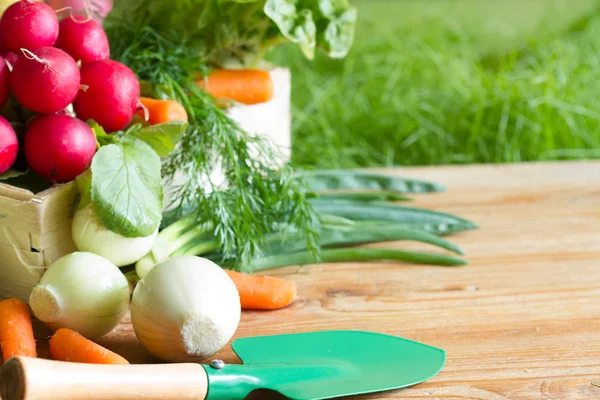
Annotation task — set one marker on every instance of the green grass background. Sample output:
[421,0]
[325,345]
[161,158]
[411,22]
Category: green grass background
[453,81]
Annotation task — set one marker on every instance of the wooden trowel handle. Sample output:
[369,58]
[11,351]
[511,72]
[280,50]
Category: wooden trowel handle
[23,378]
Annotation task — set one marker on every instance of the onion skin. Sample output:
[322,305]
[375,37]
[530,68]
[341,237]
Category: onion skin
[82,292]
[185,309]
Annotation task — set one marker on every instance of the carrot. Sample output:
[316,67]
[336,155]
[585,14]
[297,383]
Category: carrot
[246,86]
[161,111]
[263,292]
[68,345]
[16,332]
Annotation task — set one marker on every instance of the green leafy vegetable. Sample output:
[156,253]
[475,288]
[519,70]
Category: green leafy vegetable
[257,195]
[295,24]
[84,186]
[102,138]
[126,189]
[327,24]
[226,32]
[339,34]
[163,137]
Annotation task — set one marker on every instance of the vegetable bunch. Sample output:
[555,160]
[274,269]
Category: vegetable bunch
[70,109]
[353,207]
[241,32]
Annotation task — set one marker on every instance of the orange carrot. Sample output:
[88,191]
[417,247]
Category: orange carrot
[68,345]
[246,86]
[16,332]
[161,111]
[263,292]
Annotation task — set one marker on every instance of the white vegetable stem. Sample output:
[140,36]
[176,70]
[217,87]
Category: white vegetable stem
[90,235]
[83,292]
[185,309]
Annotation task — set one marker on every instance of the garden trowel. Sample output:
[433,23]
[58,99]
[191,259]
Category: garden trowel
[303,366]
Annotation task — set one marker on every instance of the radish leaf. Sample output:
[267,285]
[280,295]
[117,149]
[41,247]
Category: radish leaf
[163,137]
[126,187]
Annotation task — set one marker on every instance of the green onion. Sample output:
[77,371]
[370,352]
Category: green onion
[356,255]
[352,180]
[431,221]
[364,196]
[361,233]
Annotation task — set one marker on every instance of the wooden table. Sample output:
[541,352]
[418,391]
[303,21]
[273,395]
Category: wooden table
[522,321]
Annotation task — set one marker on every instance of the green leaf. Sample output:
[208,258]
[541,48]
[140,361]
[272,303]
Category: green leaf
[163,137]
[10,174]
[102,138]
[294,22]
[327,24]
[126,187]
[339,34]
[84,185]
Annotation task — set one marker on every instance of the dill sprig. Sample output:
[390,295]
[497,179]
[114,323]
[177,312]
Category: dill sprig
[258,194]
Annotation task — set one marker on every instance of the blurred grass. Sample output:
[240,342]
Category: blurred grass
[442,81]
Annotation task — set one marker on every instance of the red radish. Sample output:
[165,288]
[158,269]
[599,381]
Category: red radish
[45,80]
[4,82]
[59,147]
[98,9]
[28,24]
[9,145]
[109,95]
[11,58]
[84,39]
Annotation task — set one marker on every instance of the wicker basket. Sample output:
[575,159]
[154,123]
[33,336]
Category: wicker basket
[35,229]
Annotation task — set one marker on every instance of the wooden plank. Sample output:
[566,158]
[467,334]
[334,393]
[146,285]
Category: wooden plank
[522,321]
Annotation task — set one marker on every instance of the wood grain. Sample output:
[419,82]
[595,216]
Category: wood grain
[37,379]
[522,321]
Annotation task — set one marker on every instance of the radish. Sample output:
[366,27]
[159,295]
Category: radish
[45,80]
[59,147]
[11,58]
[28,24]
[99,9]
[4,82]
[84,39]
[109,95]
[9,145]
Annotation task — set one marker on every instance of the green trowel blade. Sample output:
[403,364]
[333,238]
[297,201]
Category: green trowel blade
[323,365]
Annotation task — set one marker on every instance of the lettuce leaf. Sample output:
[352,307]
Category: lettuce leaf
[230,32]
[326,24]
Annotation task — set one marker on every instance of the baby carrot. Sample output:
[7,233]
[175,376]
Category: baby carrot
[263,292]
[68,345]
[161,111]
[16,332]
[246,86]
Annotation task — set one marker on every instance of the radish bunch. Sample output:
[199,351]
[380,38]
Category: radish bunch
[48,65]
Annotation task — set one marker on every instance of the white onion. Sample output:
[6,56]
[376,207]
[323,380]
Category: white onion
[90,235]
[83,292]
[185,309]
